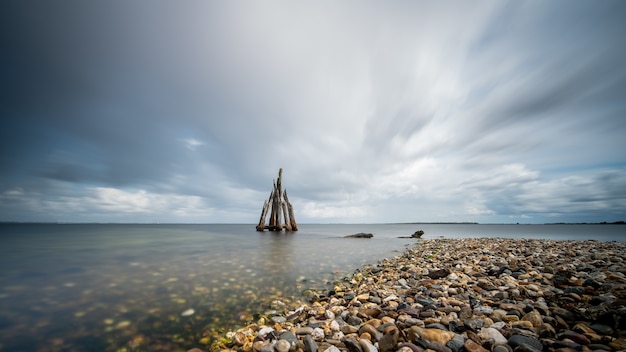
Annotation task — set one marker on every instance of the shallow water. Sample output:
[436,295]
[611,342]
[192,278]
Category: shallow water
[93,287]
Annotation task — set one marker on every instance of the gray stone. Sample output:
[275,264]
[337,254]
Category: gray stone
[474,324]
[309,344]
[457,343]
[367,346]
[495,335]
[518,340]
[438,347]
[602,329]
[288,336]
[278,319]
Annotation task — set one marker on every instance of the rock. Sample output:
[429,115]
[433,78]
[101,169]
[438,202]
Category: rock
[374,333]
[188,312]
[309,344]
[282,346]
[534,318]
[411,347]
[471,346]
[305,330]
[502,348]
[317,334]
[438,274]
[574,336]
[441,336]
[289,337]
[457,343]
[367,346]
[418,234]
[474,324]
[388,342]
[353,345]
[278,319]
[438,347]
[495,335]
[602,329]
[332,349]
[360,235]
[517,340]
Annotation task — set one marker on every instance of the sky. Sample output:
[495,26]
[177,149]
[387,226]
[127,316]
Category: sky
[395,111]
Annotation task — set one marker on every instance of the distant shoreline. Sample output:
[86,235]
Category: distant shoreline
[621,222]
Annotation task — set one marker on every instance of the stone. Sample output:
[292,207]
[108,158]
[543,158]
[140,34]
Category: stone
[471,346]
[309,344]
[438,347]
[474,324]
[495,335]
[317,334]
[411,347]
[282,346]
[574,336]
[360,235]
[441,336]
[534,318]
[353,345]
[332,349]
[517,340]
[457,343]
[371,330]
[367,346]
[438,274]
[188,312]
[288,336]
[388,342]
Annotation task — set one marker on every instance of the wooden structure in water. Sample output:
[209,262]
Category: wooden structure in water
[279,208]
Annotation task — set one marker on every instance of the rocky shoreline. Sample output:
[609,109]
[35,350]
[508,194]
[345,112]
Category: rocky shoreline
[443,295]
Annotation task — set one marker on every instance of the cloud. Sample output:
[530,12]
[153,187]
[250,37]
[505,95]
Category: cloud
[377,112]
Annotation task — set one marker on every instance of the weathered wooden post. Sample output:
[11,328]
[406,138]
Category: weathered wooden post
[280,210]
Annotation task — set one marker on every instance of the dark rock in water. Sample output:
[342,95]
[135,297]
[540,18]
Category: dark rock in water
[438,274]
[360,235]
[418,234]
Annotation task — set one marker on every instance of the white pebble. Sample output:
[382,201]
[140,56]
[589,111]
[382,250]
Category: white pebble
[188,312]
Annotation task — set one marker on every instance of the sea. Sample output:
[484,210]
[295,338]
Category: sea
[172,287]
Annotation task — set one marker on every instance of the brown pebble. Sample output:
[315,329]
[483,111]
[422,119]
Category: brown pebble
[472,346]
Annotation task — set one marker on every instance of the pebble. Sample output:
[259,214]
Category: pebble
[188,312]
[452,295]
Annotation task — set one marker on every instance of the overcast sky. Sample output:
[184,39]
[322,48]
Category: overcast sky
[378,111]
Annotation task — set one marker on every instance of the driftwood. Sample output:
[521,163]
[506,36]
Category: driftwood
[281,210]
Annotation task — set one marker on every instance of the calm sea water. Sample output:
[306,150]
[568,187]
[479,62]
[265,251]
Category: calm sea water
[93,287]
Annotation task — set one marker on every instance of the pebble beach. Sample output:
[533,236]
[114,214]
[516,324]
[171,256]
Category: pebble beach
[469,294]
